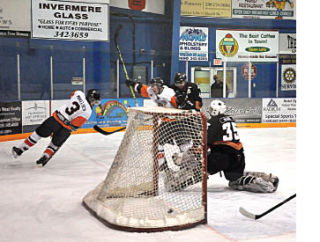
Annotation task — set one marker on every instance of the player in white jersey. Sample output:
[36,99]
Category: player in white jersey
[158,92]
[63,121]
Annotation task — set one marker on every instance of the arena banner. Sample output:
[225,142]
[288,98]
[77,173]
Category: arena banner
[279,110]
[111,112]
[288,77]
[152,6]
[264,9]
[243,110]
[206,8]
[15,18]
[193,44]
[33,114]
[72,20]
[287,43]
[247,45]
[10,118]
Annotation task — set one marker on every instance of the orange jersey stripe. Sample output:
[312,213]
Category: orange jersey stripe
[60,122]
[78,121]
[237,146]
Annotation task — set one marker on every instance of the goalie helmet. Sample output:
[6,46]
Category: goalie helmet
[217,107]
[93,97]
[180,78]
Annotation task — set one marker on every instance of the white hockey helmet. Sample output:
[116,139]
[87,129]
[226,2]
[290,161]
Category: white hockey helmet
[217,107]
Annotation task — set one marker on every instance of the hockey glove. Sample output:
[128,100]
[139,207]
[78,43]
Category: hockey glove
[131,83]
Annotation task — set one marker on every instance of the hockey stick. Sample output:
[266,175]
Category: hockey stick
[123,65]
[257,216]
[101,131]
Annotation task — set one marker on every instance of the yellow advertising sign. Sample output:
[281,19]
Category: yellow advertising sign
[206,8]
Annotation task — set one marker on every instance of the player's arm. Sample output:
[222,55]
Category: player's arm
[138,87]
[197,98]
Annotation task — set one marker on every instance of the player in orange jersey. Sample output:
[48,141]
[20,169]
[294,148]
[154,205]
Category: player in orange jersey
[63,121]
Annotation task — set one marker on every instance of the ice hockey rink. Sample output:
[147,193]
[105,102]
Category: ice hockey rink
[44,204]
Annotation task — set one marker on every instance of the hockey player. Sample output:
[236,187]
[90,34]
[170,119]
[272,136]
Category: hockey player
[187,94]
[63,121]
[159,93]
[227,154]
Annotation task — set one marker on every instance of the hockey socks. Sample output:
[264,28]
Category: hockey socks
[26,144]
[30,141]
[47,154]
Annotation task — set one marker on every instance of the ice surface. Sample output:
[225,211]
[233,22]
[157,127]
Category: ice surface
[44,204]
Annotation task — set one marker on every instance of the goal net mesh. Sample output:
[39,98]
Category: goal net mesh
[157,180]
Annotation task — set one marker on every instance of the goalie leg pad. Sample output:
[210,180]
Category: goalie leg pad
[252,184]
[267,177]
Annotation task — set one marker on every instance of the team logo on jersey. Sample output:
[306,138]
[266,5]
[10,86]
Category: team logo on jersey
[228,46]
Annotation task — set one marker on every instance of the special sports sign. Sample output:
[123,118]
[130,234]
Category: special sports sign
[70,20]
[247,45]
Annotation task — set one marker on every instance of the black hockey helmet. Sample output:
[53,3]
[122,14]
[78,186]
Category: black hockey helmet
[156,81]
[180,77]
[93,96]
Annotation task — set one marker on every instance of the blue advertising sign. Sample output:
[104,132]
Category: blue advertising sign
[111,112]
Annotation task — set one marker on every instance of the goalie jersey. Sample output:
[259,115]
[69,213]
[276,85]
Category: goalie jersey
[222,130]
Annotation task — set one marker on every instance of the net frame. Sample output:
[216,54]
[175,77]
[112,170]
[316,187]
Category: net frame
[174,219]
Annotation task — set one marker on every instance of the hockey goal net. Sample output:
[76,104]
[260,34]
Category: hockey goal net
[157,180]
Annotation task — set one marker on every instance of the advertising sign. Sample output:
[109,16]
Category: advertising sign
[206,8]
[70,20]
[193,44]
[245,71]
[264,9]
[111,113]
[33,114]
[152,6]
[15,18]
[247,45]
[288,77]
[288,44]
[243,110]
[10,118]
[280,110]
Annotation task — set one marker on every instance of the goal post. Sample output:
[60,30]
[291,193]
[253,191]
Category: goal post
[158,179]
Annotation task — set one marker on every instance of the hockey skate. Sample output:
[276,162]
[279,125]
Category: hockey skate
[16,151]
[43,161]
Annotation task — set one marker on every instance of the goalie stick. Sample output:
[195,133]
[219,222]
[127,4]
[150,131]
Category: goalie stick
[257,216]
[101,131]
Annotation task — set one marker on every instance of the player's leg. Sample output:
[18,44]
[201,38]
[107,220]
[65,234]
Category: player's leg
[44,130]
[249,181]
[58,138]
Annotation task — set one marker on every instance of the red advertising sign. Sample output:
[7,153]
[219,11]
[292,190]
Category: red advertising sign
[245,71]
[137,4]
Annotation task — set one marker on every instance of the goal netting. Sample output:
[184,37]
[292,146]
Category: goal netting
[157,180]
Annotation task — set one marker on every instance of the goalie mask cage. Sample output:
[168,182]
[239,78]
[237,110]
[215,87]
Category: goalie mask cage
[158,179]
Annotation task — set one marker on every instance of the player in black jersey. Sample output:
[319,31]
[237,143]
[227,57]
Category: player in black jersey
[226,154]
[187,94]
